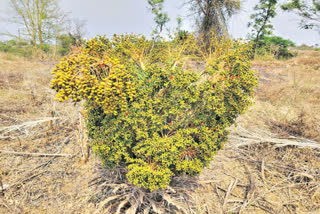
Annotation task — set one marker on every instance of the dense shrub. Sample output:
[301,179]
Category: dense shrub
[277,40]
[277,46]
[159,108]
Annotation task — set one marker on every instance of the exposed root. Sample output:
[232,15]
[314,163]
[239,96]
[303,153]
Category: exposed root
[116,195]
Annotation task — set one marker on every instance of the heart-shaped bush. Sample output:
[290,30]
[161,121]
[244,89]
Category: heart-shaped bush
[160,108]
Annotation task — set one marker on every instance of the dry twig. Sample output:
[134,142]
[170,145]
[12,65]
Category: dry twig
[230,189]
[26,125]
[243,137]
[34,154]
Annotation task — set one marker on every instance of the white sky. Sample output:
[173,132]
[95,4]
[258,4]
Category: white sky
[132,16]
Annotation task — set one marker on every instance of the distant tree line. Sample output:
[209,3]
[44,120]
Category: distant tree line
[44,26]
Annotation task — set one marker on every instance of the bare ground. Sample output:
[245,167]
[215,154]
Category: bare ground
[271,163]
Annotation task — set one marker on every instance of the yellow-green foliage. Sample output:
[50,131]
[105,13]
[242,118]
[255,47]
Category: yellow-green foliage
[91,76]
[159,108]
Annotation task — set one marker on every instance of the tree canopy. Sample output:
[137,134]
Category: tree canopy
[212,15]
[160,17]
[308,10]
[38,19]
[265,10]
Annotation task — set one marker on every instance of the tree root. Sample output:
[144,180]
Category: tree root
[116,195]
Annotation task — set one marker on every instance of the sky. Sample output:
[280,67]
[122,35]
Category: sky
[106,17]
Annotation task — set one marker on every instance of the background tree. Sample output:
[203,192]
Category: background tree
[265,11]
[160,17]
[72,35]
[212,15]
[76,28]
[38,19]
[308,10]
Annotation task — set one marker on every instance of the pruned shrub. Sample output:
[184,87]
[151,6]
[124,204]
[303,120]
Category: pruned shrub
[161,108]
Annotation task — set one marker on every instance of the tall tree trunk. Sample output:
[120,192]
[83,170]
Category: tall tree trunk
[40,7]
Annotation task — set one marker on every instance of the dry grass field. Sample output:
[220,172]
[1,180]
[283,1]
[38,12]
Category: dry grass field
[271,163]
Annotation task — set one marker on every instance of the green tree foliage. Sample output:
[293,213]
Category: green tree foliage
[277,46]
[212,15]
[71,36]
[309,10]
[261,24]
[160,109]
[65,41]
[277,40]
[18,48]
[161,18]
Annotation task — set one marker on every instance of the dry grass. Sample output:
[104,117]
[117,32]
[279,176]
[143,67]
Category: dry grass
[288,97]
[265,179]
[38,184]
[244,178]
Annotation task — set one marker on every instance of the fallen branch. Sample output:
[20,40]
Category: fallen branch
[28,124]
[34,154]
[29,175]
[230,189]
[242,137]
